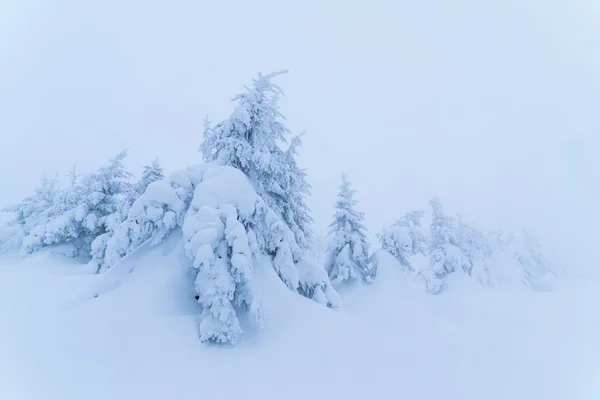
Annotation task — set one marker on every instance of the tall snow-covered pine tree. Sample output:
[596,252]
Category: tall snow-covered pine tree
[348,253]
[251,140]
[255,141]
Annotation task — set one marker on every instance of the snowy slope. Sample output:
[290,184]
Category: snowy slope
[138,338]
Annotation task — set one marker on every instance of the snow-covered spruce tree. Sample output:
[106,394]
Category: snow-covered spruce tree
[219,246]
[405,238]
[227,229]
[445,252]
[151,173]
[476,250]
[250,140]
[84,212]
[31,208]
[518,257]
[30,212]
[348,253]
[538,269]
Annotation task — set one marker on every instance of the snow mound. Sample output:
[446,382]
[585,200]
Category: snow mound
[139,336]
[226,230]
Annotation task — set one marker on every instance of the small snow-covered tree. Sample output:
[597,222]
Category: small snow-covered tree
[85,212]
[153,215]
[218,244]
[405,238]
[476,251]
[227,229]
[30,212]
[73,176]
[445,252]
[251,140]
[348,255]
[151,173]
[104,257]
[518,257]
[536,266]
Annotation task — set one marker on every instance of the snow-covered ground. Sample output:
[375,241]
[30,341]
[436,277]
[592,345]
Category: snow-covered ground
[138,338]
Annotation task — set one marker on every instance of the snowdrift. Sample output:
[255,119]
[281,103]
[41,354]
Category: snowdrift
[131,333]
[227,230]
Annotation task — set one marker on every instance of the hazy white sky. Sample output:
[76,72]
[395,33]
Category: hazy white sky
[492,105]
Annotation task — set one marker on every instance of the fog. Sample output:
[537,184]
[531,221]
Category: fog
[493,106]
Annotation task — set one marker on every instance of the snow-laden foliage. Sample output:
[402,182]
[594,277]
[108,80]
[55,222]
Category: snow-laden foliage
[220,248]
[29,213]
[228,229]
[84,212]
[314,283]
[445,253]
[348,254]
[251,140]
[405,238]
[151,173]
[451,245]
[476,251]
[537,268]
[106,248]
[151,218]
[11,237]
[318,249]
[522,258]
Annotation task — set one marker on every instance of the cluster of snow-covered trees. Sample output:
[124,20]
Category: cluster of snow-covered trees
[447,245]
[83,215]
[245,208]
[431,246]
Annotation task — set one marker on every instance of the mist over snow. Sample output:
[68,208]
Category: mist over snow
[490,109]
[491,106]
